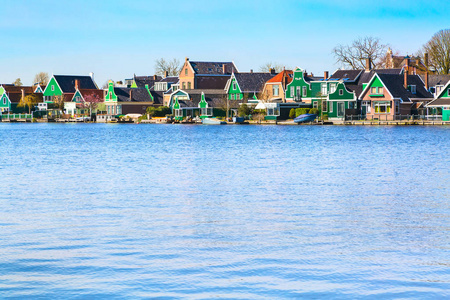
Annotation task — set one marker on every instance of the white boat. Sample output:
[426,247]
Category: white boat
[213,121]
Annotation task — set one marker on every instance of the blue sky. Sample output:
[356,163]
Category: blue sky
[116,39]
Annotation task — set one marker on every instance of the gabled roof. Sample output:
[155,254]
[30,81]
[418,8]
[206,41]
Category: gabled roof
[67,82]
[346,75]
[394,85]
[214,98]
[212,68]
[171,79]
[137,94]
[279,77]
[252,82]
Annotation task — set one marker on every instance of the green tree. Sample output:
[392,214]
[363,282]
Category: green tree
[244,110]
[30,101]
[292,113]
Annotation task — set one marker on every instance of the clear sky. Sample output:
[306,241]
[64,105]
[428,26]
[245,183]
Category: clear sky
[116,39]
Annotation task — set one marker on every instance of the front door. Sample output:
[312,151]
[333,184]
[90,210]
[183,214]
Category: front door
[340,109]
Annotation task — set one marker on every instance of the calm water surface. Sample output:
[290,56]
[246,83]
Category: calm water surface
[232,212]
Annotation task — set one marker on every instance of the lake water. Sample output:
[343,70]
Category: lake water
[107,211]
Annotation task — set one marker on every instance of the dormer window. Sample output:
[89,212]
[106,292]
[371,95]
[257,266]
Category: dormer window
[412,89]
[376,90]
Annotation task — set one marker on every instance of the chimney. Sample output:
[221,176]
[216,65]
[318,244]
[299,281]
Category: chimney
[77,84]
[155,77]
[131,95]
[406,72]
[166,74]
[187,58]
[425,58]
[251,70]
[325,75]
[272,71]
[92,75]
[426,80]
[23,93]
[368,64]
[224,69]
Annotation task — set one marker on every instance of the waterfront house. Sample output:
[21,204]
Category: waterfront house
[275,88]
[124,100]
[64,86]
[247,87]
[198,103]
[388,96]
[78,106]
[205,75]
[10,96]
[442,103]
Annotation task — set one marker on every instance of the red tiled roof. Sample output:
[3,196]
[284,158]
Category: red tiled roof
[279,76]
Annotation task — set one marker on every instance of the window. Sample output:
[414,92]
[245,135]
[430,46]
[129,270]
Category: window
[234,86]
[77,99]
[119,109]
[276,90]
[382,107]
[330,106]
[397,107]
[184,85]
[292,91]
[185,71]
[4,100]
[179,112]
[315,104]
[324,89]
[412,89]
[110,95]
[53,88]
[324,105]
[341,92]
[439,88]
[351,105]
[380,90]
[376,90]
[273,111]
[304,91]
[332,88]
[206,111]
[189,85]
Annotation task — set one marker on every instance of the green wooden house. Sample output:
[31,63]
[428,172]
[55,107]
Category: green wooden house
[197,103]
[441,103]
[339,100]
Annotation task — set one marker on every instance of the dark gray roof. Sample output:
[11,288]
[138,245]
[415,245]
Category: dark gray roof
[208,82]
[137,94]
[171,79]
[141,81]
[394,83]
[439,102]
[213,68]
[214,100]
[67,82]
[252,82]
[346,75]
[434,80]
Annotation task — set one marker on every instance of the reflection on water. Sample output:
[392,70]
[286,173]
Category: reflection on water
[238,212]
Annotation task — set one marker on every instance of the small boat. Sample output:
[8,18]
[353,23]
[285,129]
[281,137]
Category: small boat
[305,118]
[213,121]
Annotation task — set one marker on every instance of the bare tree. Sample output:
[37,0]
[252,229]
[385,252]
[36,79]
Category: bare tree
[270,65]
[41,78]
[173,67]
[18,82]
[354,55]
[438,49]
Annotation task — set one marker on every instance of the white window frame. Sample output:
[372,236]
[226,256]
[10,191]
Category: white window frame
[316,104]
[304,91]
[4,100]
[292,92]
[332,88]
[234,86]
[273,111]
[341,92]
[330,107]
[324,89]
[276,90]
[206,111]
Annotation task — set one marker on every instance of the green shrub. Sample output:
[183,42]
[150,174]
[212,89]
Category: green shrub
[292,113]
[325,117]
[314,111]
[301,111]
[244,110]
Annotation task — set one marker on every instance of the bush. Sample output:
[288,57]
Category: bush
[292,113]
[160,111]
[259,112]
[301,111]
[314,111]
[244,110]
[325,117]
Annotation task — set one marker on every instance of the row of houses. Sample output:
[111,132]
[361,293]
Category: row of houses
[204,89]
